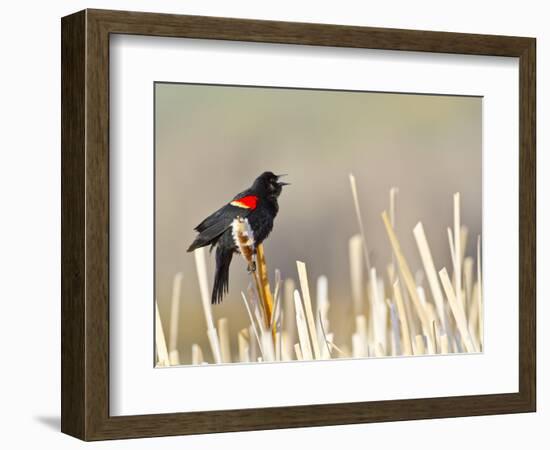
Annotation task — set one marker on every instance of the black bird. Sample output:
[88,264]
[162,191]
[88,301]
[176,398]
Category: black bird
[258,206]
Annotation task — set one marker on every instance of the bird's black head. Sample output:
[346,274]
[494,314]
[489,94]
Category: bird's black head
[269,184]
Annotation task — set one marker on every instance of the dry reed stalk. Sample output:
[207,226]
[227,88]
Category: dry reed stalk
[406,345]
[379,312]
[287,347]
[393,194]
[463,241]
[301,324]
[259,306]
[282,335]
[361,346]
[356,272]
[298,351]
[163,360]
[430,318]
[436,331]
[452,248]
[431,338]
[368,311]
[253,344]
[343,352]
[278,285]
[390,272]
[324,338]
[243,339]
[421,295]
[429,268]
[419,347]
[323,307]
[395,341]
[174,357]
[329,341]
[276,317]
[414,322]
[197,357]
[359,219]
[357,346]
[457,249]
[473,310]
[252,321]
[405,271]
[457,310]
[278,344]
[302,275]
[225,346]
[263,279]
[289,312]
[277,302]
[444,344]
[468,272]
[212,334]
[379,350]
[267,345]
[472,314]
[174,320]
[479,294]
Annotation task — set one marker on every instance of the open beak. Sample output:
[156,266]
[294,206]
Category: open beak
[282,183]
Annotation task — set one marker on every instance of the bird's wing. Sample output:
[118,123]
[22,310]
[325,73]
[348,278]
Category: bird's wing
[240,206]
[214,225]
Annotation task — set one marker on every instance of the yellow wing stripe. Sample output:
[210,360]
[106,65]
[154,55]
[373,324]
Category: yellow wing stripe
[239,204]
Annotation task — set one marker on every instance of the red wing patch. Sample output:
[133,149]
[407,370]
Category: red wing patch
[248,202]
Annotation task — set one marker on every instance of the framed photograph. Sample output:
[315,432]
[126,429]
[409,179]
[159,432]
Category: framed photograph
[272,224]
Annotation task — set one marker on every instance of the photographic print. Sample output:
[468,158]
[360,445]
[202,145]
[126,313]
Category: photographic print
[300,224]
[337,204]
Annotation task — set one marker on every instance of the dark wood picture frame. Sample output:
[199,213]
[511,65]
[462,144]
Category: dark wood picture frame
[85,224]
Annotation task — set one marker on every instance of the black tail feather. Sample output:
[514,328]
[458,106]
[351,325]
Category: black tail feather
[201,241]
[197,243]
[221,279]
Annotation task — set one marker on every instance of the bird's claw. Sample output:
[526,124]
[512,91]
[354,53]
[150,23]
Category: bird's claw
[252,267]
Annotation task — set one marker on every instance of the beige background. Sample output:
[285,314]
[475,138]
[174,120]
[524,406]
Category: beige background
[212,141]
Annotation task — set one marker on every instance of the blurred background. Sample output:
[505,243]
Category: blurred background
[212,141]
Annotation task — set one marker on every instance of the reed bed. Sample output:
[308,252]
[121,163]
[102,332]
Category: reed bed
[438,310]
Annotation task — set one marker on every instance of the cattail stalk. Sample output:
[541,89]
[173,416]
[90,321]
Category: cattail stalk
[458,311]
[356,272]
[197,357]
[243,236]
[429,268]
[163,360]
[359,219]
[479,293]
[200,263]
[244,347]
[457,249]
[303,336]
[302,275]
[406,345]
[174,320]
[263,286]
[225,346]
[252,322]
[405,271]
